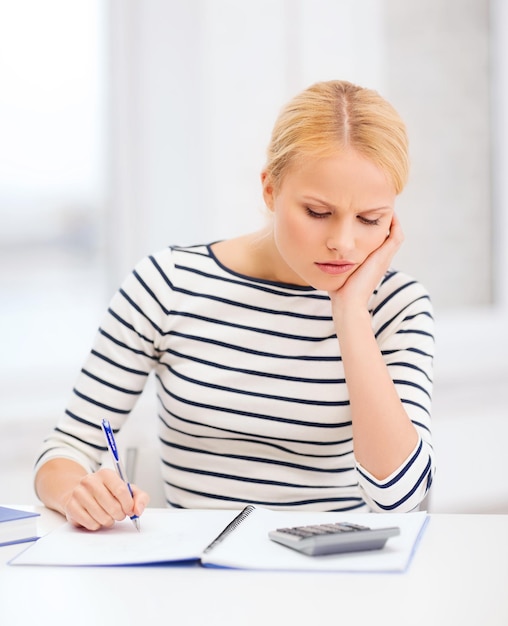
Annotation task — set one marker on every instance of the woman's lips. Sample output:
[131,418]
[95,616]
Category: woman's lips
[334,267]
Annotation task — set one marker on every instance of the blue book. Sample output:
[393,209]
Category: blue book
[17,526]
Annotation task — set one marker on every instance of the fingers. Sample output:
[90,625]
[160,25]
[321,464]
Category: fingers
[141,500]
[102,498]
[359,286]
[395,234]
[383,255]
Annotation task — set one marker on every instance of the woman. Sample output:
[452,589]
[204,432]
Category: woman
[293,367]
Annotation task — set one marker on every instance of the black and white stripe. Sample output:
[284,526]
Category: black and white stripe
[253,406]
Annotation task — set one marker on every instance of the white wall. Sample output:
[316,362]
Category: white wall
[195,89]
[499,117]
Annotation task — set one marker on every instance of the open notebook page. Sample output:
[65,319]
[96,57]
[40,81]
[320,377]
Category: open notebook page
[167,535]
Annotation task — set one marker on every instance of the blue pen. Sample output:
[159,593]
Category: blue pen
[110,438]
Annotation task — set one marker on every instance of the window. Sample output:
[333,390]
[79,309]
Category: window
[51,195]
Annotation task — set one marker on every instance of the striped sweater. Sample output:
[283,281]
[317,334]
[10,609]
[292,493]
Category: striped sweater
[252,401]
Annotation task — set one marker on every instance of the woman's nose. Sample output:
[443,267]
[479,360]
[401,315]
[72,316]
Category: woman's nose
[341,238]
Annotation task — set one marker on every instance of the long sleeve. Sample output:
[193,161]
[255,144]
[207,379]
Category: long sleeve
[404,327]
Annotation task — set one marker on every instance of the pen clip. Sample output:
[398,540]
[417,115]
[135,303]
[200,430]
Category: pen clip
[106,427]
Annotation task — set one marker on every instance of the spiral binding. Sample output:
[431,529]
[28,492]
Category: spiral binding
[230,527]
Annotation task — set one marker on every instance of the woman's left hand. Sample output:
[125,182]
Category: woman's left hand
[358,288]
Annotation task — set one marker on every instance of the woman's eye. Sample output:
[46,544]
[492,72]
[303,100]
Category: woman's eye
[316,213]
[366,220]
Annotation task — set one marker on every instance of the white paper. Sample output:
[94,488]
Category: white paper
[166,535]
[249,546]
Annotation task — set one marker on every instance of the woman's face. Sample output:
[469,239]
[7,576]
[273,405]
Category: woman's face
[329,214]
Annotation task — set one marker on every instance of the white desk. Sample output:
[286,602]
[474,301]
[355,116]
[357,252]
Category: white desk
[458,577]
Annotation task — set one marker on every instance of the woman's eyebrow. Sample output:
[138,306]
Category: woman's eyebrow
[329,205]
[377,209]
[316,200]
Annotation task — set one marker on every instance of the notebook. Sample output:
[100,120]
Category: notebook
[222,538]
[17,526]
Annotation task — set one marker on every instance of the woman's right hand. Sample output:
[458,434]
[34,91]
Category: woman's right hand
[99,500]
[90,501]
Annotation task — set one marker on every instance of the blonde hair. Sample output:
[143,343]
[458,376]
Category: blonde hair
[332,116]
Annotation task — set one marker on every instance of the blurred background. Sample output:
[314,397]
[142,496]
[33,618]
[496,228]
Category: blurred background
[130,125]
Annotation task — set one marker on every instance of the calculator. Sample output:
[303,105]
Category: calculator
[334,538]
